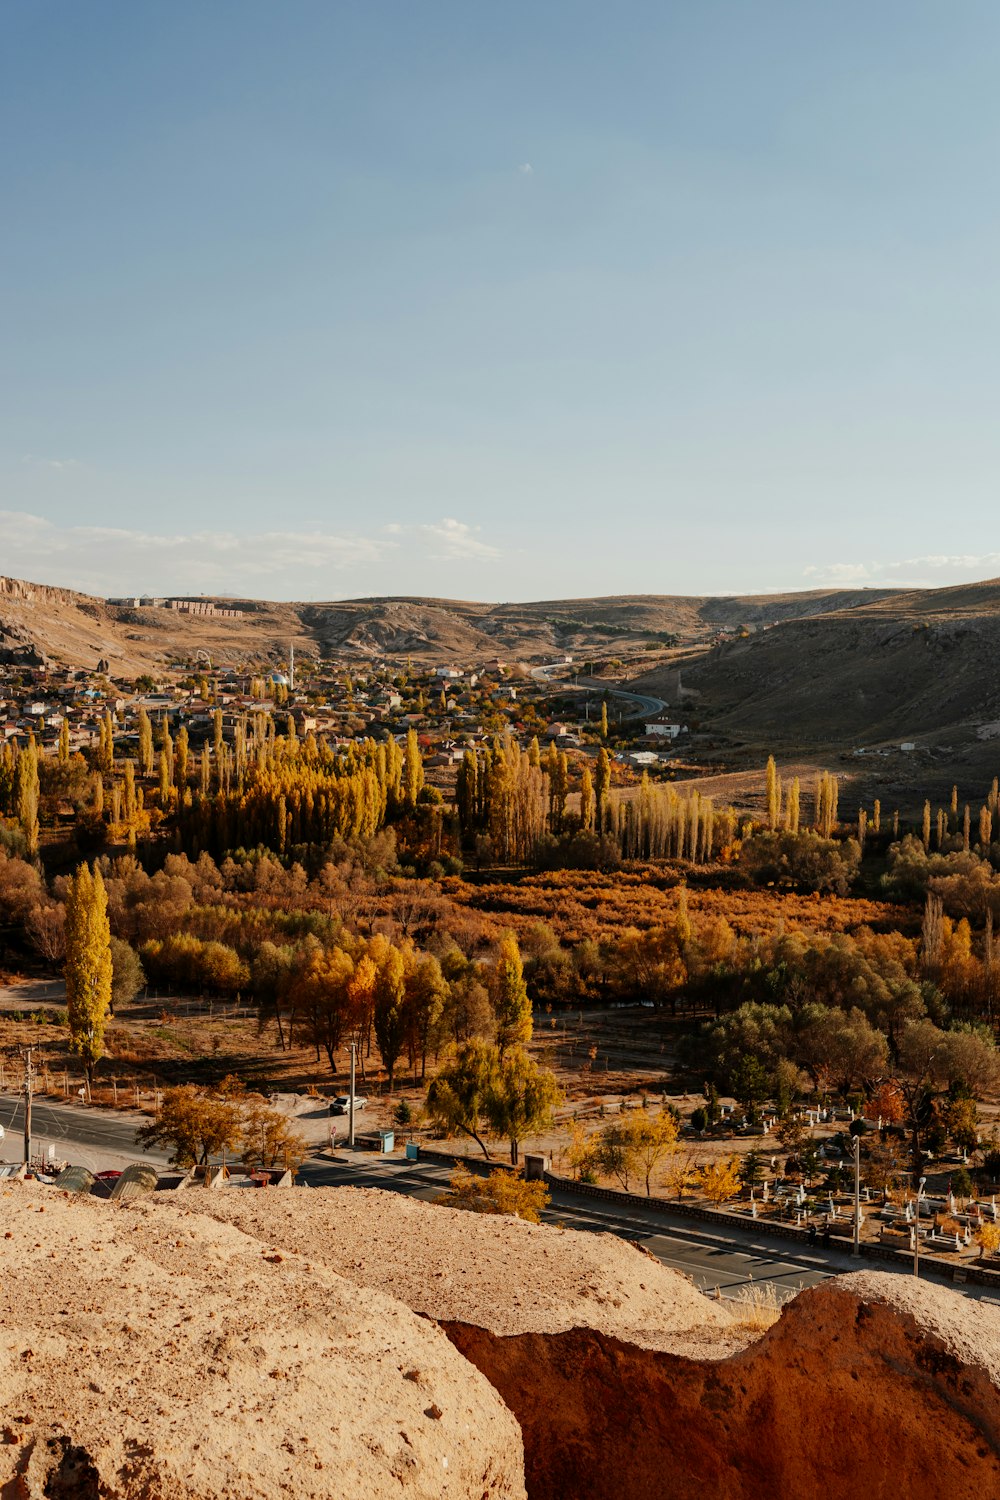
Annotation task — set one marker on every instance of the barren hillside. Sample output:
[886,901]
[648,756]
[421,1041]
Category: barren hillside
[917,664]
[37,622]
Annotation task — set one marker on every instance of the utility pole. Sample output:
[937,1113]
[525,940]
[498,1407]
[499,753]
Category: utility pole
[350,1103]
[857,1195]
[916,1230]
[28,1081]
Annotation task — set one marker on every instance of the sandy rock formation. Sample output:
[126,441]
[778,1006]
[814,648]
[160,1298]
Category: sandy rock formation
[509,1276]
[868,1388]
[623,1376]
[149,1351]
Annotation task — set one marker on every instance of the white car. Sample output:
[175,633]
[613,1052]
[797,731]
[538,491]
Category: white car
[342,1104]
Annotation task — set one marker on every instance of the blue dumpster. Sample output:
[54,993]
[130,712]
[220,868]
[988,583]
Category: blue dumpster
[412,1151]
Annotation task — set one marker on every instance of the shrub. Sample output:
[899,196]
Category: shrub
[499,1193]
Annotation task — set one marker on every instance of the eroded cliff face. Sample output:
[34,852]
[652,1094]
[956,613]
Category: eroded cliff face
[868,1387]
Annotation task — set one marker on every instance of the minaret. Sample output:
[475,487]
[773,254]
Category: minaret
[291,667]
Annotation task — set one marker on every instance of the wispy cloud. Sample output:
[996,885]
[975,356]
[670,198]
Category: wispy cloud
[105,559]
[57,464]
[932,568]
[526,169]
[453,541]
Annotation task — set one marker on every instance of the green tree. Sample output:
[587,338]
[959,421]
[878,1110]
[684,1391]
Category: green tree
[88,967]
[522,1099]
[458,1098]
[751,1084]
[127,974]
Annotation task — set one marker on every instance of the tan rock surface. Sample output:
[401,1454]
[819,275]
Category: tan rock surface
[149,1351]
[500,1273]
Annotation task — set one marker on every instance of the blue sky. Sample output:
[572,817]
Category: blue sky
[505,301]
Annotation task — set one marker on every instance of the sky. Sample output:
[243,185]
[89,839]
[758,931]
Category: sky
[498,301]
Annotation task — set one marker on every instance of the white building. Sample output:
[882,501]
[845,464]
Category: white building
[664,730]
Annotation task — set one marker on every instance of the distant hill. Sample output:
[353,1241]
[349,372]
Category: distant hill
[76,629]
[916,662]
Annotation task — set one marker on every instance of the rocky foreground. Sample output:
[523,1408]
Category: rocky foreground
[341,1343]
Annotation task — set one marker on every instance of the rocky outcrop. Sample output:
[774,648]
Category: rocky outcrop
[868,1387]
[208,1348]
[148,1352]
[624,1378]
[508,1275]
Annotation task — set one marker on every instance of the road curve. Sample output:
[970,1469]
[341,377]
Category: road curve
[644,704]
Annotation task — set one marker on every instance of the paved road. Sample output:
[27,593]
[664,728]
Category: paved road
[642,705]
[88,1137]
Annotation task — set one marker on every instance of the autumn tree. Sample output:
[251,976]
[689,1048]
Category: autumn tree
[267,1138]
[145,743]
[88,967]
[586,799]
[413,769]
[720,1180]
[498,1193]
[26,793]
[194,1126]
[509,994]
[602,787]
[773,794]
[390,1010]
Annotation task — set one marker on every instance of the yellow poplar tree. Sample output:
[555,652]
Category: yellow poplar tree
[509,993]
[88,965]
[27,790]
[413,769]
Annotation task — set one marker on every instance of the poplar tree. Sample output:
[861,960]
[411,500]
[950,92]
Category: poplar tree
[509,994]
[604,719]
[145,744]
[413,769]
[106,746]
[793,806]
[64,742]
[773,794]
[602,787]
[181,757]
[586,799]
[926,829]
[26,792]
[88,967]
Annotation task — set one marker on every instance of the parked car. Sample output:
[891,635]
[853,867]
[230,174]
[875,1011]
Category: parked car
[342,1104]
